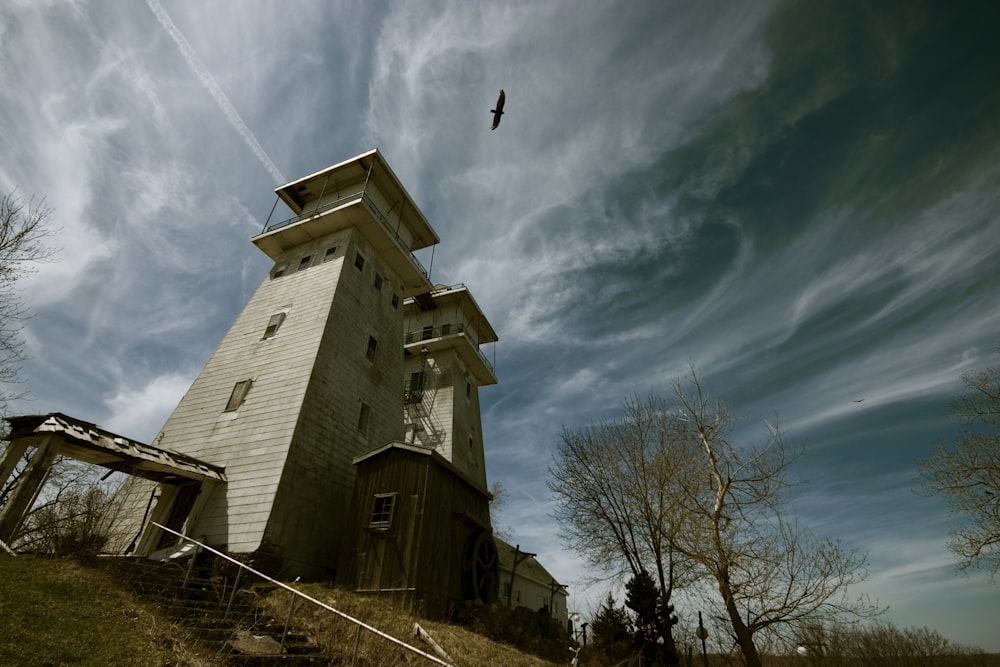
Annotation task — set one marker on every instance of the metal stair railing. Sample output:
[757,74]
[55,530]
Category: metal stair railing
[360,624]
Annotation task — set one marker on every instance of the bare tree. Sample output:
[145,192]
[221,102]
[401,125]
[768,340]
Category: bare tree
[497,505]
[70,514]
[967,474]
[614,485]
[23,229]
[772,575]
[665,489]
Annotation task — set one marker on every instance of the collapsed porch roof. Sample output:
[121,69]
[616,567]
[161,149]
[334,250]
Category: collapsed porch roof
[86,442]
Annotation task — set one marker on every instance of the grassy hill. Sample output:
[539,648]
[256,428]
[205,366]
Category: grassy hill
[64,612]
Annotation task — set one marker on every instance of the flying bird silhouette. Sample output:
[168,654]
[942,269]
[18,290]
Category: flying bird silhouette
[498,111]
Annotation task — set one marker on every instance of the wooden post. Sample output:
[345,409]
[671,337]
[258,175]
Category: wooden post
[518,557]
[27,488]
[8,461]
[423,634]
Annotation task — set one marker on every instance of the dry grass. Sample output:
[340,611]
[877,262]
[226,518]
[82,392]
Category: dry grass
[60,612]
[56,612]
[337,636]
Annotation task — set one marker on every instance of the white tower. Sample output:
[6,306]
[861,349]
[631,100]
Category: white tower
[309,375]
[444,370]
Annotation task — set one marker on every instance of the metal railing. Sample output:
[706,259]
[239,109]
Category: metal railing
[369,205]
[440,331]
[299,594]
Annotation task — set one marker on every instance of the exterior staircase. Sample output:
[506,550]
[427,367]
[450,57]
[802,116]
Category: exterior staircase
[217,612]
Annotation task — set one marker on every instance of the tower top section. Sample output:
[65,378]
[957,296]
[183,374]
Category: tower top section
[363,193]
[449,318]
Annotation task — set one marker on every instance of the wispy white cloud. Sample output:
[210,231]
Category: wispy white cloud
[206,80]
[140,411]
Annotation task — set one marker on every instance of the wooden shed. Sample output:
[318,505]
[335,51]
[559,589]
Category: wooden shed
[420,528]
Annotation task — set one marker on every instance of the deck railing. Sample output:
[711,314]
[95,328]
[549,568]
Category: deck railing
[440,331]
[369,205]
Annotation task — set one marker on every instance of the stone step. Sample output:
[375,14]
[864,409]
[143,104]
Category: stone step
[245,636]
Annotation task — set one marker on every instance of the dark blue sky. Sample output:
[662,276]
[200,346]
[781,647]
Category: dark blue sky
[797,199]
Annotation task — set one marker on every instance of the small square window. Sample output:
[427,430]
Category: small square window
[359,262]
[428,332]
[279,270]
[273,325]
[378,281]
[330,254]
[381,518]
[363,418]
[239,394]
[372,347]
[304,262]
[395,300]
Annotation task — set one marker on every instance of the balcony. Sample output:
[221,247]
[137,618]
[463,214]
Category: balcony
[449,335]
[319,213]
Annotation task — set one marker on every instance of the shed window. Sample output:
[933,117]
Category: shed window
[239,394]
[330,254]
[279,270]
[382,511]
[273,325]
[304,262]
[372,347]
[395,300]
[378,281]
[359,262]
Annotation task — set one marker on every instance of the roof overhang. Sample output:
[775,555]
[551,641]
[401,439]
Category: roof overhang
[86,442]
[435,456]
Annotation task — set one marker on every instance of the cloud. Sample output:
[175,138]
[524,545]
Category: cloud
[206,80]
[139,411]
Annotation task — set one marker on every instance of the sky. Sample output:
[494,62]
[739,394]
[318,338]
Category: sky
[799,200]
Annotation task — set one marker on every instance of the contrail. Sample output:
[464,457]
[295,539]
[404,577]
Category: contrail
[213,89]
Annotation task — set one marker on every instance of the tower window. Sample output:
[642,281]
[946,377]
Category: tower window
[359,261]
[428,332]
[445,329]
[417,381]
[279,270]
[378,281]
[381,518]
[395,300]
[239,394]
[273,325]
[304,262]
[363,417]
[468,389]
[330,254]
[372,347]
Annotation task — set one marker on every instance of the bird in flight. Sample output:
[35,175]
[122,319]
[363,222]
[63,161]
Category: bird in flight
[859,400]
[498,111]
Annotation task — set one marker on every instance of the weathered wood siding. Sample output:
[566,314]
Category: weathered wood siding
[437,512]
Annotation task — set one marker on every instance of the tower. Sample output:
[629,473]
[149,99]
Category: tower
[309,375]
[444,368]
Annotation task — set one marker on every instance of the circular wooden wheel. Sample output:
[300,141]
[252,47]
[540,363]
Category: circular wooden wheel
[481,568]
